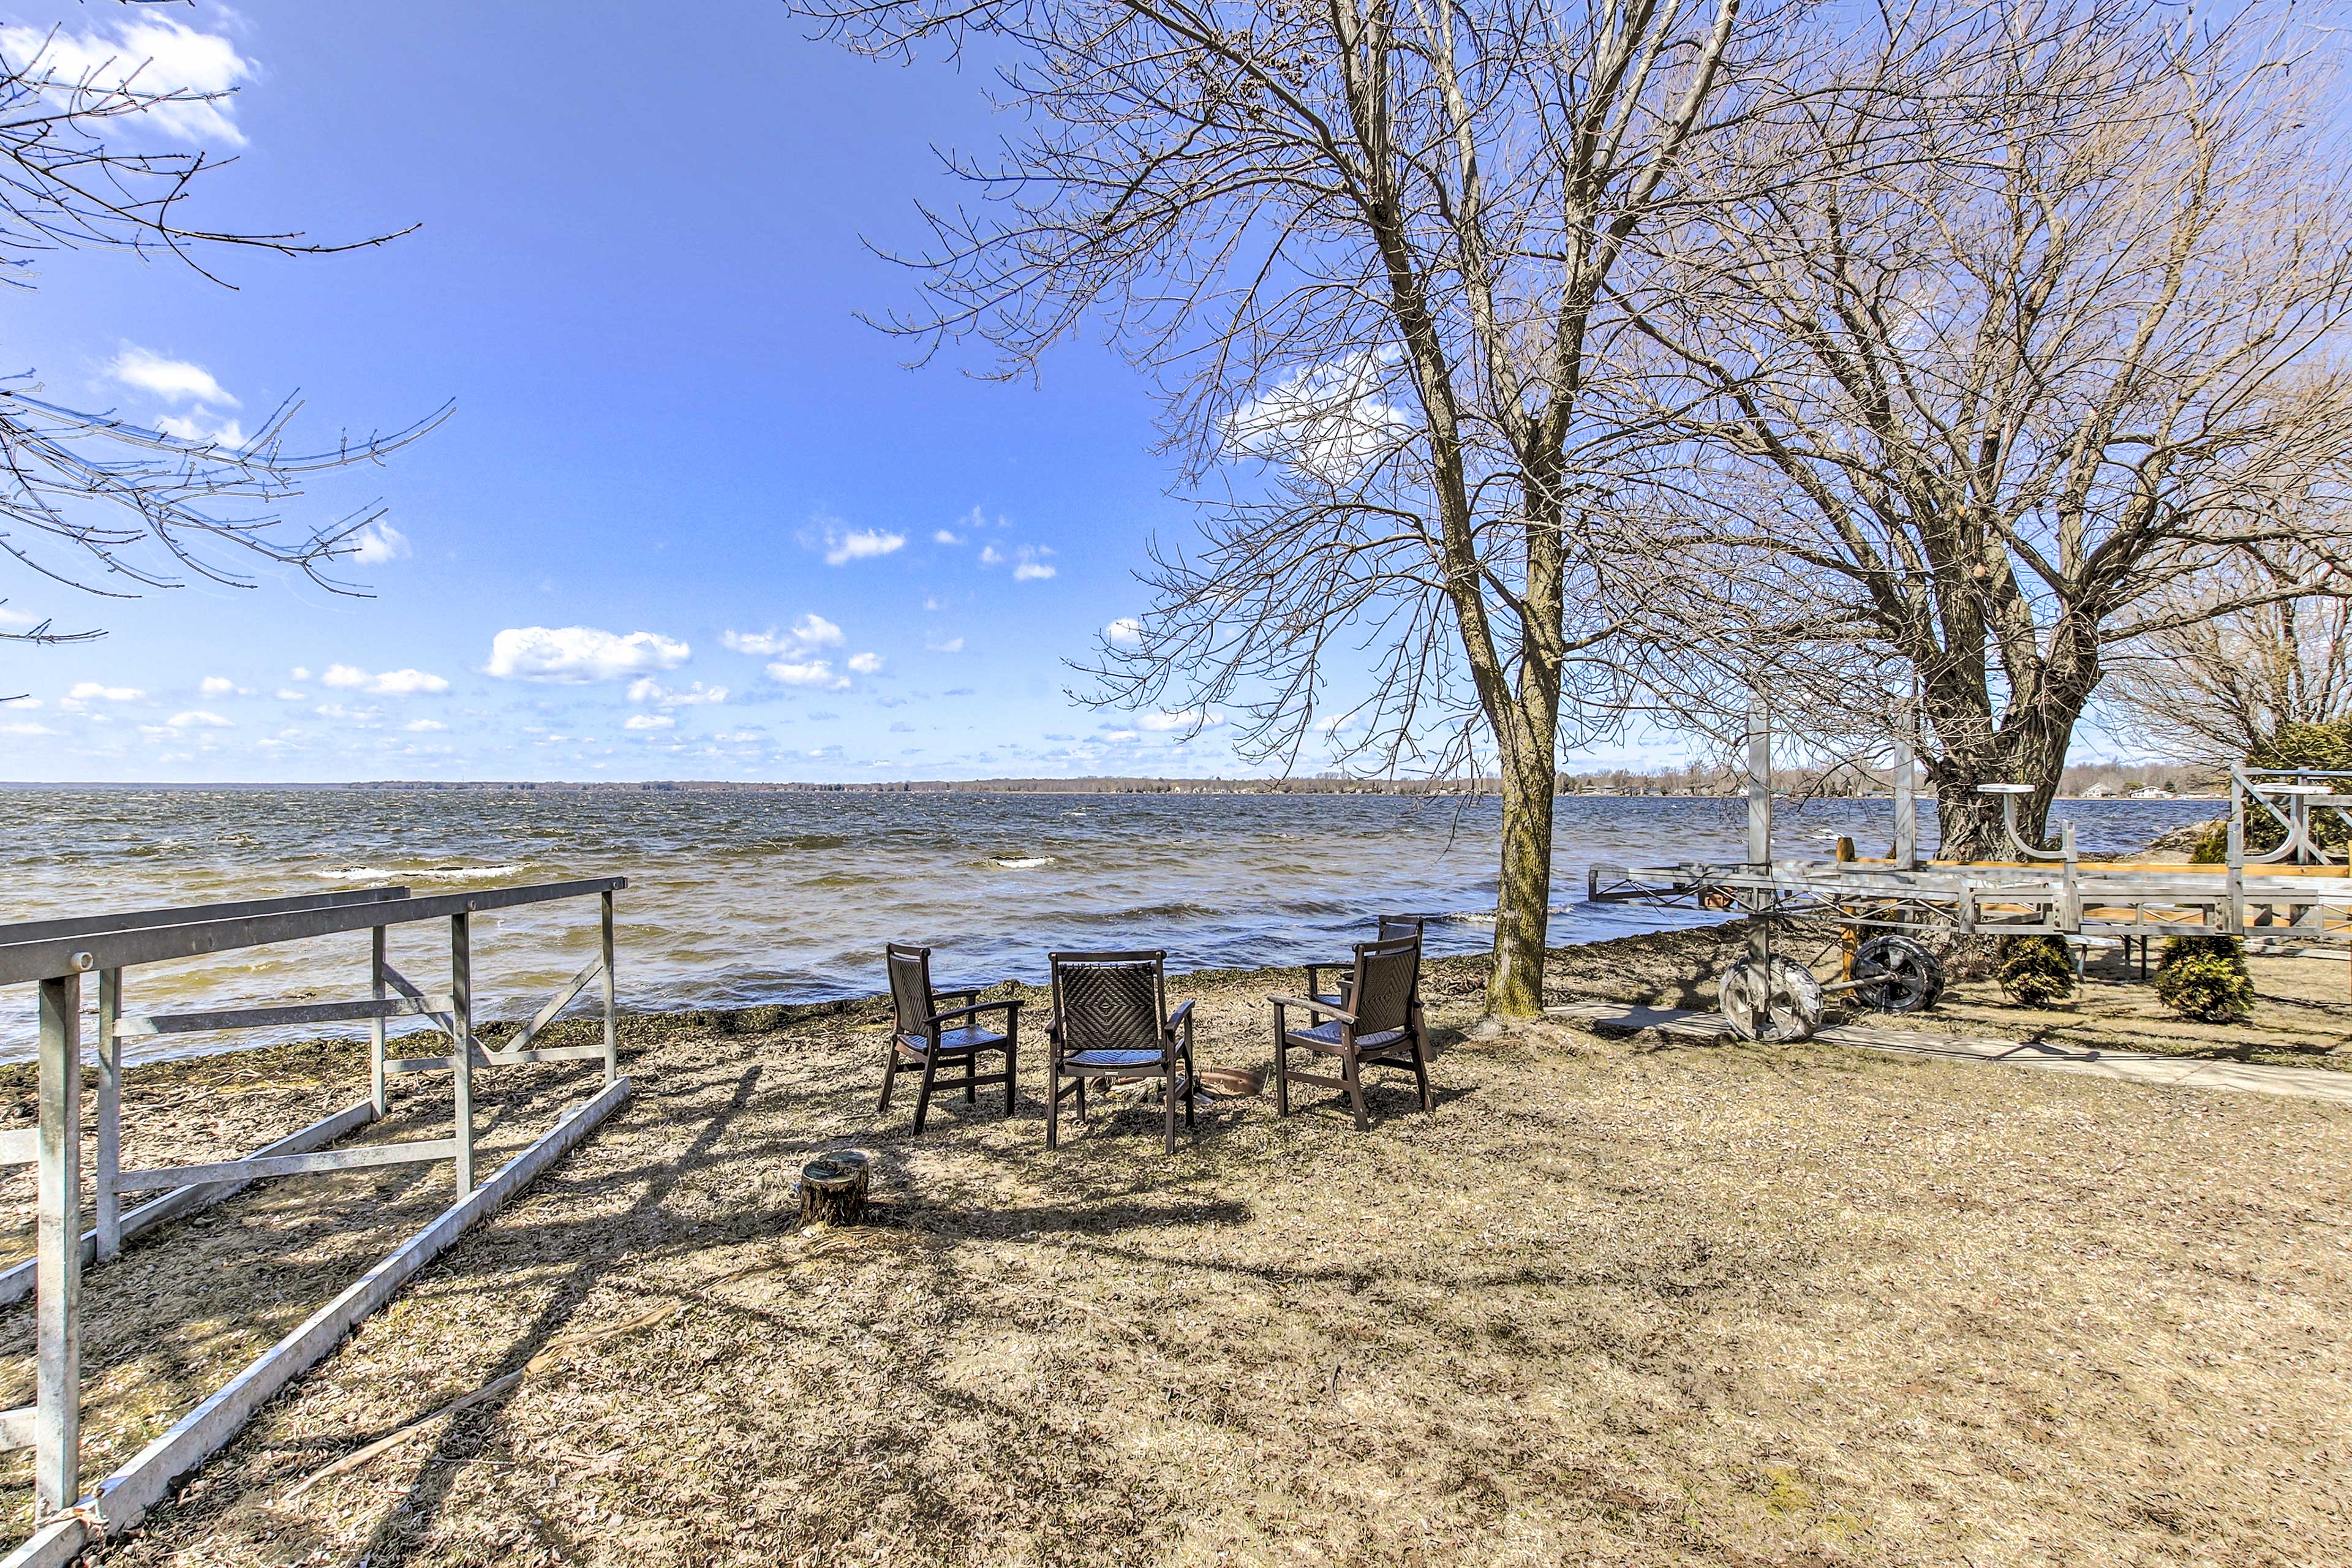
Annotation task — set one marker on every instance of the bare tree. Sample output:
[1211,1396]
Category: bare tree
[2217,687]
[2034,356]
[1372,251]
[101,504]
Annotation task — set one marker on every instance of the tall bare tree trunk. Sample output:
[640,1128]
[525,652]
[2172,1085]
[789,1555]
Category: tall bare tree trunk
[1523,897]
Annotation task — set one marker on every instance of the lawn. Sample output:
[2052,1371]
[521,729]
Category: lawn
[1613,1303]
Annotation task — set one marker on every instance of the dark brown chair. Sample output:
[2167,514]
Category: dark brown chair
[1383,1027]
[1392,928]
[920,1034]
[1111,1020]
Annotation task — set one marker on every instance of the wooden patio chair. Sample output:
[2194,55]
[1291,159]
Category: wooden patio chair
[1382,1029]
[924,1033]
[1110,1019]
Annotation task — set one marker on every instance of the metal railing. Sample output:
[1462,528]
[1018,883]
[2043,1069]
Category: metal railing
[55,955]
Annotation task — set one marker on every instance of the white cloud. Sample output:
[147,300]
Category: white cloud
[811,632]
[26,726]
[1328,420]
[391,683]
[288,694]
[575,655]
[1183,719]
[859,544]
[379,545]
[91,691]
[216,686]
[759,645]
[1029,568]
[807,672]
[201,425]
[160,58]
[423,726]
[647,689]
[197,719]
[953,644]
[1125,631]
[172,380]
[944,537]
[299,673]
[865,663]
[647,721]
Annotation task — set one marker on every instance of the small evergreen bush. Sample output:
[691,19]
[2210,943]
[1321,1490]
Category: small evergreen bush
[2205,978]
[2036,971]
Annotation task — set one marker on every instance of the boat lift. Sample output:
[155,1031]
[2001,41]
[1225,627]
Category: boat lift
[1877,911]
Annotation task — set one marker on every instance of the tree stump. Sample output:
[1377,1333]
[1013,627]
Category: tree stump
[832,1188]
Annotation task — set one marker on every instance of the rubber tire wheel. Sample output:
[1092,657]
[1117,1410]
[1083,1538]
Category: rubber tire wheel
[1776,1000]
[1915,976]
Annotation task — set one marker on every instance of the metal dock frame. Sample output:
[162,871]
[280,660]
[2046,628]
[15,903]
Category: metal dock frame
[55,955]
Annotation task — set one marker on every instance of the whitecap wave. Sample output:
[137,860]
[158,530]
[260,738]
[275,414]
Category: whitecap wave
[1023,862]
[434,874]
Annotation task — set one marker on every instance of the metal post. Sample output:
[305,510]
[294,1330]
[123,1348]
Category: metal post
[461,1042]
[103,1197]
[612,1018]
[1759,788]
[375,1025]
[1759,827]
[1906,808]
[57,1460]
[2236,874]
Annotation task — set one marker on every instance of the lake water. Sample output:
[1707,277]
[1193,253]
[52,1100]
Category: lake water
[740,898]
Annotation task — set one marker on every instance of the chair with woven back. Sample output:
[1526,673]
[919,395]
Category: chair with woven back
[1390,928]
[924,1033]
[1381,1027]
[1110,1019]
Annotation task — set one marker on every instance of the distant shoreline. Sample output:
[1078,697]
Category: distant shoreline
[1416,789]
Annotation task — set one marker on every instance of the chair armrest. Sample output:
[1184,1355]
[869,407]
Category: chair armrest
[1313,1007]
[1010,1005]
[1178,1018]
[971,994]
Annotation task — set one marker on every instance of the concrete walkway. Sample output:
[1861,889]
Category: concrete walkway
[2172,1072]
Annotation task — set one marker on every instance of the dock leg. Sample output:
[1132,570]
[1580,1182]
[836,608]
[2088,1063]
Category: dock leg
[612,1017]
[375,1025]
[56,1458]
[103,1196]
[461,1042]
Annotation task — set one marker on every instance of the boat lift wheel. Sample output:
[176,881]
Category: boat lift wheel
[1774,999]
[1896,974]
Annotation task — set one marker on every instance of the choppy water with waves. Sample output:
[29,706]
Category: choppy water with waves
[740,898]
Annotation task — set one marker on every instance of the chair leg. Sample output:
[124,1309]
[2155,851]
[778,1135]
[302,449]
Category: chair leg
[1281,1069]
[1191,1083]
[1053,1104]
[1167,1101]
[1421,1071]
[1012,1073]
[1355,1089]
[970,1076]
[923,1097]
[889,1076]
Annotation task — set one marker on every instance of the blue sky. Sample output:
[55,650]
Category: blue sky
[691,518]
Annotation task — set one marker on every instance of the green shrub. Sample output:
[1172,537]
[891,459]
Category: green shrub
[2213,849]
[2036,971]
[2204,978]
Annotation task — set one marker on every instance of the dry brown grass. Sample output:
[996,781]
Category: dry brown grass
[1734,1305]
